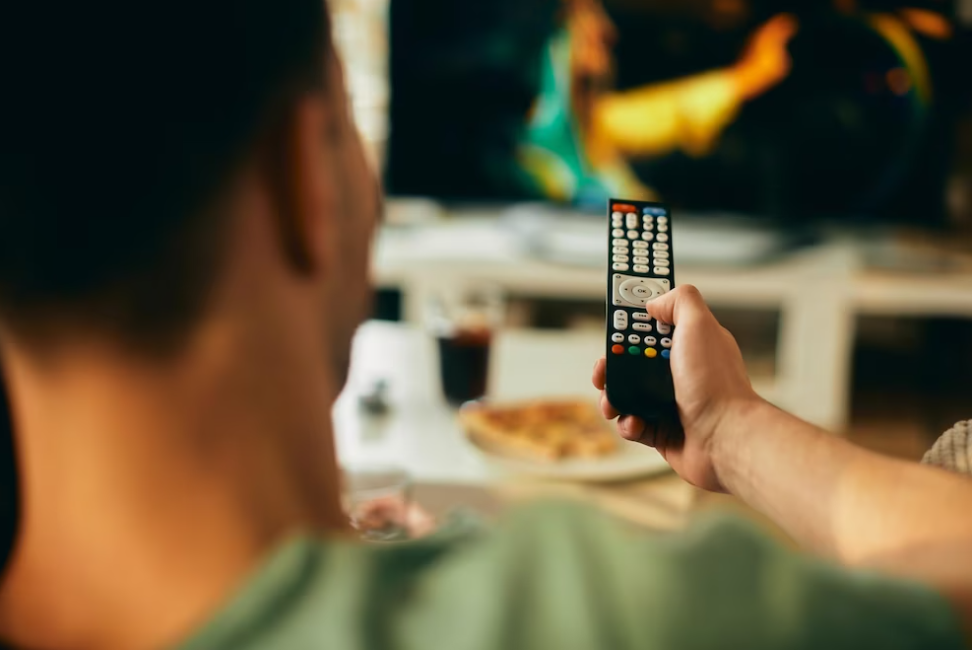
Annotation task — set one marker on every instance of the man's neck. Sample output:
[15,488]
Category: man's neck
[149,491]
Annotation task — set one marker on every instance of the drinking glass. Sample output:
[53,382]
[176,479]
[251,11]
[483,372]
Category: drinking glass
[463,321]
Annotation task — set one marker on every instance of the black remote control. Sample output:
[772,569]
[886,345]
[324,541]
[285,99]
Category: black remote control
[639,374]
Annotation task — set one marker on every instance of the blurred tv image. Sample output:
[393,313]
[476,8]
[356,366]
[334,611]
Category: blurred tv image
[785,109]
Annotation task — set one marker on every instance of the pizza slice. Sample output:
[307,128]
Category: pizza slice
[541,430]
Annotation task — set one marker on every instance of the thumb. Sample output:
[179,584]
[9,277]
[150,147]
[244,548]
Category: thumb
[681,304]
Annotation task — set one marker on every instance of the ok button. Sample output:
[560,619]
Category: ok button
[641,291]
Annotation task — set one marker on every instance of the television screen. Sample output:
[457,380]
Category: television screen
[807,108]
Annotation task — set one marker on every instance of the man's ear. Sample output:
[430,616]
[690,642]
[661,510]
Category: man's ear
[301,177]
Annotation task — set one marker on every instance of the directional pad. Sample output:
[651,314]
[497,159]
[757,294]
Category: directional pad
[637,292]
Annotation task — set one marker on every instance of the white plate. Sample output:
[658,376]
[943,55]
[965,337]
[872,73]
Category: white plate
[631,461]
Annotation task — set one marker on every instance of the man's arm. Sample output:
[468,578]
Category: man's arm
[863,508]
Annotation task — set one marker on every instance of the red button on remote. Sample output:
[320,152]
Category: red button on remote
[618,349]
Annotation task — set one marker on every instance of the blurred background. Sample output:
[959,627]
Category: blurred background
[816,155]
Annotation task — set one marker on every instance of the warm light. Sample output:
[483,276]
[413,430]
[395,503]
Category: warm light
[899,81]
[929,23]
[845,6]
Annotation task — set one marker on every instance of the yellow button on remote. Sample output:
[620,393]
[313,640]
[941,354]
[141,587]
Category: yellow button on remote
[651,353]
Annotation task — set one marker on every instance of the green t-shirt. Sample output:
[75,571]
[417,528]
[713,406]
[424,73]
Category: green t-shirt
[561,577]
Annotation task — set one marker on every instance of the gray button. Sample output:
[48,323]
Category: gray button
[617,215]
[632,234]
[662,270]
[617,232]
[664,328]
[620,320]
[647,236]
[640,260]
[634,339]
[650,340]
[617,337]
[622,258]
[661,262]
[662,237]
[642,316]
[620,242]
[640,268]
[641,327]
[639,244]
[666,343]
[618,266]
[662,255]
[631,221]
[659,247]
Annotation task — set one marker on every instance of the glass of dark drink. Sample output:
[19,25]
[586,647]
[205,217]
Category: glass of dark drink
[463,322]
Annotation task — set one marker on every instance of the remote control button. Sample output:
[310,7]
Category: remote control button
[619,250]
[640,268]
[619,242]
[659,246]
[617,232]
[634,339]
[647,235]
[634,349]
[641,327]
[642,316]
[651,340]
[632,234]
[663,237]
[621,259]
[640,260]
[617,215]
[617,223]
[666,343]
[662,219]
[620,320]
[662,228]
[662,270]
[624,207]
[666,354]
[649,210]
[664,328]
[619,266]
[662,255]
[631,221]
[617,349]
[617,337]
[651,353]
[661,262]
[638,291]
[638,244]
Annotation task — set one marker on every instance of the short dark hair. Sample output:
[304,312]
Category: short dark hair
[120,122]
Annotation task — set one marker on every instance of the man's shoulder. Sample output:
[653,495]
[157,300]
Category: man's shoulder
[555,574]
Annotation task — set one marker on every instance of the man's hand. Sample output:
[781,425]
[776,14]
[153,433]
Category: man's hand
[710,385]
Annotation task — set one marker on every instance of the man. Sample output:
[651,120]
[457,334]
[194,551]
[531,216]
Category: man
[185,216]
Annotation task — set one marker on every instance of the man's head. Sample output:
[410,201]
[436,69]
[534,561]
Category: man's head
[134,137]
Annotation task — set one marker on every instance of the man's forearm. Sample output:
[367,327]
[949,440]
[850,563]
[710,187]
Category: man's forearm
[834,496]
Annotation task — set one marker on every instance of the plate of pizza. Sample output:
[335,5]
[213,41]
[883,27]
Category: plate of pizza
[558,439]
